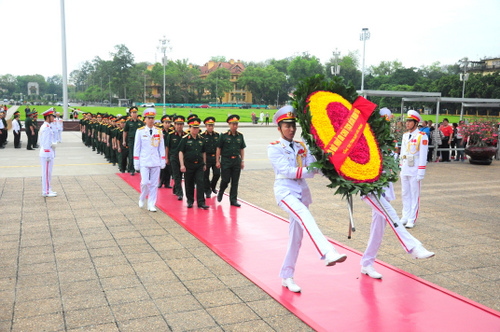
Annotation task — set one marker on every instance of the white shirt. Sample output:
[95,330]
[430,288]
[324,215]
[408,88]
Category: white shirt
[149,148]
[414,147]
[289,175]
[16,126]
[47,139]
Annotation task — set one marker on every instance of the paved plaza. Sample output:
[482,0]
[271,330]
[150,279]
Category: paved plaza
[91,260]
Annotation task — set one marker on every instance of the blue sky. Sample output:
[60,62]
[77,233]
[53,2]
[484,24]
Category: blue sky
[415,33]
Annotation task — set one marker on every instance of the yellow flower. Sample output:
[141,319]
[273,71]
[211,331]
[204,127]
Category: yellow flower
[338,127]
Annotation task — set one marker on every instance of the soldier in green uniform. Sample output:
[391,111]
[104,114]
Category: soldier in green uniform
[211,138]
[129,136]
[121,150]
[30,131]
[172,154]
[230,158]
[192,159]
[166,173]
[35,127]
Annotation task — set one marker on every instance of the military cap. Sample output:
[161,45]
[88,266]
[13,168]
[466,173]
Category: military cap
[149,112]
[194,122]
[209,120]
[284,114]
[233,118]
[179,118]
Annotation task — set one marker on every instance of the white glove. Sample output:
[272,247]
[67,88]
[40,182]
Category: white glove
[163,166]
[53,145]
[420,178]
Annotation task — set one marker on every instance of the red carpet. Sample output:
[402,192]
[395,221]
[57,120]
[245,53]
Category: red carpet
[334,298]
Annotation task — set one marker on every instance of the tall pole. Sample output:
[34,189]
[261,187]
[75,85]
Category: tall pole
[65,66]
[335,69]
[163,48]
[364,36]
[463,77]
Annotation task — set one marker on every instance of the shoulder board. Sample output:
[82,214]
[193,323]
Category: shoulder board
[185,135]
[422,133]
[141,127]
[274,143]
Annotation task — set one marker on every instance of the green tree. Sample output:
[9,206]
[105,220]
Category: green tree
[121,65]
[302,67]
[8,84]
[385,68]
[217,82]
[263,82]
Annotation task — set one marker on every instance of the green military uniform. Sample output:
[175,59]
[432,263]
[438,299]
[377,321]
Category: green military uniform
[211,143]
[230,160]
[173,141]
[131,127]
[193,150]
[28,123]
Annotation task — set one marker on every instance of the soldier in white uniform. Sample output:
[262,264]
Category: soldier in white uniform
[47,152]
[59,126]
[382,212]
[290,160]
[149,158]
[413,161]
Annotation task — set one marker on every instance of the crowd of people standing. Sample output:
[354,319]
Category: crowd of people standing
[200,158]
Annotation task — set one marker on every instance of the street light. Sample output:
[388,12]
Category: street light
[335,69]
[364,36]
[463,77]
[163,48]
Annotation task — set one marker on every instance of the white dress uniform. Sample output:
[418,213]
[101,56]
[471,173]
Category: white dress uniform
[47,154]
[149,158]
[293,195]
[59,126]
[413,162]
[382,212]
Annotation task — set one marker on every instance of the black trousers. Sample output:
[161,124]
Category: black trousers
[211,184]
[176,174]
[192,177]
[17,139]
[230,172]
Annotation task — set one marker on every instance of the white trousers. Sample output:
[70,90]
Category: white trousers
[47,164]
[301,220]
[59,136]
[382,212]
[410,194]
[149,184]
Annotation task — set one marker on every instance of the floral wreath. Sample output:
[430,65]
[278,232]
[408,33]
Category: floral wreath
[352,144]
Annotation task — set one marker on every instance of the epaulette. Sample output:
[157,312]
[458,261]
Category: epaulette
[422,133]
[186,135]
[141,127]
[275,142]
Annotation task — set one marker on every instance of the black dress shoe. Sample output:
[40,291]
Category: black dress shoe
[170,187]
[219,196]
[132,173]
[208,195]
[29,149]
[236,204]
[159,186]
[179,198]
[190,205]
[214,191]
[204,207]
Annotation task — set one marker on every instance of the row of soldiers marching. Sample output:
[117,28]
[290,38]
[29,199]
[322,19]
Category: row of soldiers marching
[114,136]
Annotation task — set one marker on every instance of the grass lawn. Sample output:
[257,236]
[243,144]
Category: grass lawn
[219,114]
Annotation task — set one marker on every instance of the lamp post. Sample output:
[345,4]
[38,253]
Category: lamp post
[463,77]
[163,48]
[364,36]
[335,69]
